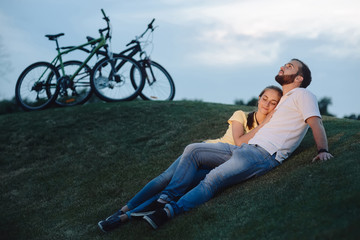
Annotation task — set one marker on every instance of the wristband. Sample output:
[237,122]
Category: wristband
[323,150]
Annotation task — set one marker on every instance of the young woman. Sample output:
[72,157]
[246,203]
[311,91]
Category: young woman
[239,131]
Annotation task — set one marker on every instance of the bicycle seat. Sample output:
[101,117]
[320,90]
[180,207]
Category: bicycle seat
[54,37]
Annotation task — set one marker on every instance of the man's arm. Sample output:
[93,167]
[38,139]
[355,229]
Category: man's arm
[320,138]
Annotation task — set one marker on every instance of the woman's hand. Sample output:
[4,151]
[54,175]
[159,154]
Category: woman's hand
[268,117]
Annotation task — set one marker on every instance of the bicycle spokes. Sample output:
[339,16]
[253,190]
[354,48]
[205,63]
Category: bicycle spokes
[74,89]
[158,82]
[111,79]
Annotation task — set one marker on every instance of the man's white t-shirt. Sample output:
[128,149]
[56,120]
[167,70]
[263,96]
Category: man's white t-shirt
[287,127]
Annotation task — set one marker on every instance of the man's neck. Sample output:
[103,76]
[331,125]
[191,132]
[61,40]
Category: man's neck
[287,88]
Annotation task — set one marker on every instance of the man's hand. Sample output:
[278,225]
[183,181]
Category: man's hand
[323,156]
[320,138]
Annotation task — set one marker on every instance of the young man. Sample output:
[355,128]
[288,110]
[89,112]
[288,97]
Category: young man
[271,143]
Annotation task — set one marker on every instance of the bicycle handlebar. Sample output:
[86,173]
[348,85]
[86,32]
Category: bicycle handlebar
[107,19]
[150,26]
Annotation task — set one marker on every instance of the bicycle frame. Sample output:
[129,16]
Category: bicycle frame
[133,51]
[101,43]
[137,49]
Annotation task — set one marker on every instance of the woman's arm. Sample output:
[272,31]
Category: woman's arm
[239,134]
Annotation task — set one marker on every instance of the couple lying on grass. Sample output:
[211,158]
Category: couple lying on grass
[254,144]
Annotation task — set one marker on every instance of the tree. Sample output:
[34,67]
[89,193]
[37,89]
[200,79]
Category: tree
[353,116]
[323,106]
[239,102]
[252,102]
[9,106]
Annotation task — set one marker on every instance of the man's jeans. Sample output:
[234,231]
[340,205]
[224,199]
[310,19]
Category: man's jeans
[231,165]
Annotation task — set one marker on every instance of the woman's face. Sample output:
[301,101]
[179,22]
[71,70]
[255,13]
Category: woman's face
[268,101]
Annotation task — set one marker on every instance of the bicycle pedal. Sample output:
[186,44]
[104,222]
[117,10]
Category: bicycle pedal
[153,97]
[70,100]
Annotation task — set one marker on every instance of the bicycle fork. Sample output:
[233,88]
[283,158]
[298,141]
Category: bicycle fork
[147,67]
[113,70]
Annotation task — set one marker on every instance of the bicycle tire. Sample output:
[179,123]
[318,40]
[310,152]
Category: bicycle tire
[36,87]
[162,89]
[78,91]
[117,87]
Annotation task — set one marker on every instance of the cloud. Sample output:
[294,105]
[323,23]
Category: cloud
[238,32]
[228,49]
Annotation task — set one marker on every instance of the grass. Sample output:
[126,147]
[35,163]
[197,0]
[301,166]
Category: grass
[64,169]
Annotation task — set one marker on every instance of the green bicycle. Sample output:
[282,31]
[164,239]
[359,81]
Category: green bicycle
[69,83]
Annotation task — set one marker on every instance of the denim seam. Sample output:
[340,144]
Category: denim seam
[168,206]
[200,149]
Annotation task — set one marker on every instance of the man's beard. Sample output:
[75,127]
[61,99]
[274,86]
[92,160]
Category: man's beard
[285,79]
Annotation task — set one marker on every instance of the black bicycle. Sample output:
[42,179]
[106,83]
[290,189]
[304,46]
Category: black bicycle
[158,83]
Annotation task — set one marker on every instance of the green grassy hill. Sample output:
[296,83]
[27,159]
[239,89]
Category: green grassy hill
[64,169]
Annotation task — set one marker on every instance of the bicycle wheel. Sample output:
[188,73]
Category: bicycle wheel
[111,82]
[76,91]
[36,87]
[159,85]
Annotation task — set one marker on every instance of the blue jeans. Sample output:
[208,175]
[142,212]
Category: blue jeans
[151,191]
[231,165]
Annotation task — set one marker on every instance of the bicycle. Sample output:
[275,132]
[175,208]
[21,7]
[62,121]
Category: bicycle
[159,84]
[43,83]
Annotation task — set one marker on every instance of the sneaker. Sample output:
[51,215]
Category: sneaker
[111,222]
[157,219]
[118,213]
[150,209]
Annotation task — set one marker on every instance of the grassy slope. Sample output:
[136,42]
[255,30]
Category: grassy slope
[62,170]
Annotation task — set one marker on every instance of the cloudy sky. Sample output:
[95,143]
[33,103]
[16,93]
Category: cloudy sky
[216,51]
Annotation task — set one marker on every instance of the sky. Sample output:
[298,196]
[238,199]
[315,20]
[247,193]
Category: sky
[215,51]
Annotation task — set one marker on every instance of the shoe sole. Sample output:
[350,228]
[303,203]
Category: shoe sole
[142,214]
[101,227]
[151,222]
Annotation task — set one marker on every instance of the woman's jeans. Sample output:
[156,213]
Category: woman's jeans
[151,191]
[231,165]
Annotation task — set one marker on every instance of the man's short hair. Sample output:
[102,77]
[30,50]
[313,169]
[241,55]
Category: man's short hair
[305,72]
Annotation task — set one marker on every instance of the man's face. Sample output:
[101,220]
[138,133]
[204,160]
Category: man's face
[287,73]
[285,79]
